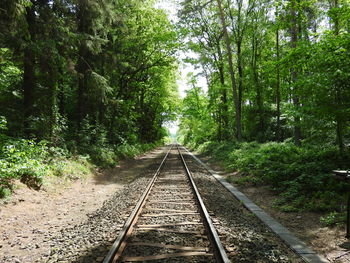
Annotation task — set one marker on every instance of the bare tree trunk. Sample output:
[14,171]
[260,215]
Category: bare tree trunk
[340,136]
[232,73]
[240,78]
[336,19]
[52,74]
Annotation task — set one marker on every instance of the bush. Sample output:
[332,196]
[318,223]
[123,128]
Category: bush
[126,150]
[30,162]
[103,157]
[22,159]
[301,176]
[333,218]
[72,168]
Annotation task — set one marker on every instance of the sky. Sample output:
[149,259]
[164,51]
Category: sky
[171,7]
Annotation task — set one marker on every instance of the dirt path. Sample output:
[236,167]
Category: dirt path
[31,217]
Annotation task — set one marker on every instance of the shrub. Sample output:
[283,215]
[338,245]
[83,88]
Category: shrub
[126,150]
[333,218]
[301,176]
[72,168]
[103,156]
[22,159]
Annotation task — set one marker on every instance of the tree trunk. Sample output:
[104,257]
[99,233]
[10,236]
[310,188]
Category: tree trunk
[232,73]
[224,113]
[53,102]
[29,80]
[82,103]
[259,95]
[278,89]
[340,136]
[296,102]
[338,100]
[240,78]
[82,64]
[336,19]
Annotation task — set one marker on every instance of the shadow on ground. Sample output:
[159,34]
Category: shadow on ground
[129,170]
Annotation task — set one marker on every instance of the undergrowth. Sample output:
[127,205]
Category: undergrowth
[300,176]
[30,161]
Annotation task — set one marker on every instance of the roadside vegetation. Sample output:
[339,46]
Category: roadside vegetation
[32,162]
[277,109]
[300,176]
[82,85]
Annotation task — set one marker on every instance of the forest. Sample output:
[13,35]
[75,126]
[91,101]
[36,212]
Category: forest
[89,78]
[277,107]
[95,81]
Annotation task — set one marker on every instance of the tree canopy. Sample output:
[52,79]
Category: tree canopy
[82,71]
[275,69]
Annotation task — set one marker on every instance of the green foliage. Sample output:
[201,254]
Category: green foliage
[301,176]
[3,123]
[23,160]
[10,74]
[85,75]
[92,79]
[291,73]
[102,156]
[333,218]
[72,168]
[196,126]
[125,150]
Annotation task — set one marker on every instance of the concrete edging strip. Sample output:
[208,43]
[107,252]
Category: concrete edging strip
[298,246]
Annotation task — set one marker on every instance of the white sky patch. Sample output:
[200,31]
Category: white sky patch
[173,127]
[171,7]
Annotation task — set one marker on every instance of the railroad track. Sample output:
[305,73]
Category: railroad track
[170,222]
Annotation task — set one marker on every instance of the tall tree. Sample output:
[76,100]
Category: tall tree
[236,98]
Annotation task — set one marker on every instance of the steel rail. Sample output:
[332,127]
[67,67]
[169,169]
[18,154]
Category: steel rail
[219,250]
[119,244]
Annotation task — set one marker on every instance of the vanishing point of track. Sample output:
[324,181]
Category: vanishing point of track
[170,222]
